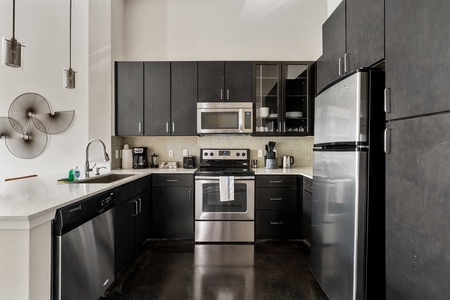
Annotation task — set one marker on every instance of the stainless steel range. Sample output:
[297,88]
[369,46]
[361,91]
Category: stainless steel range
[224,196]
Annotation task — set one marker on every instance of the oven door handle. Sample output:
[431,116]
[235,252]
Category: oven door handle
[217,177]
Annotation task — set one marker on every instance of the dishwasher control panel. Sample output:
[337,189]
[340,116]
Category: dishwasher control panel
[106,200]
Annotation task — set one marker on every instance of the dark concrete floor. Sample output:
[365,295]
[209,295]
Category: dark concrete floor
[185,270]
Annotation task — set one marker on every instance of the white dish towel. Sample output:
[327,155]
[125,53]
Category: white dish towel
[226,187]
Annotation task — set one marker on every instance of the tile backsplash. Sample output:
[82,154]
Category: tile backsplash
[298,147]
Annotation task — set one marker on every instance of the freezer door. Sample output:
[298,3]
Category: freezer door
[340,114]
[338,218]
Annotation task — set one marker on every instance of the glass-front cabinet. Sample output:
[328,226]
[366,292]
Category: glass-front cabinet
[282,97]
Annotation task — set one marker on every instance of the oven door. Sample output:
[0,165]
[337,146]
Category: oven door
[209,207]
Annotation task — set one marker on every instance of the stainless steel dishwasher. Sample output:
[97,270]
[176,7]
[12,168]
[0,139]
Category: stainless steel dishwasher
[83,248]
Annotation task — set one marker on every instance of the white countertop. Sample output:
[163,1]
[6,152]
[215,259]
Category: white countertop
[29,202]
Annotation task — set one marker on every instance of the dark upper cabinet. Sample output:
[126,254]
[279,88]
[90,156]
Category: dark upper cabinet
[129,95]
[224,81]
[417,205]
[157,98]
[282,97]
[353,37]
[417,58]
[184,98]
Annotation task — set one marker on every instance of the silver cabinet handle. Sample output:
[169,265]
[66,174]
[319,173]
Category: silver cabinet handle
[387,140]
[221,94]
[228,94]
[139,205]
[340,66]
[171,180]
[276,199]
[190,196]
[173,126]
[136,210]
[167,127]
[276,223]
[276,181]
[387,100]
[346,63]
[140,127]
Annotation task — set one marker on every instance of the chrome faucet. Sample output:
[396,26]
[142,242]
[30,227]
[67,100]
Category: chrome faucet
[87,169]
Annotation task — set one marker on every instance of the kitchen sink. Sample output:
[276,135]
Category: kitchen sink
[108,178]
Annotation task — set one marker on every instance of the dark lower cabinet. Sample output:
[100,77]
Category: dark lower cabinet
[131,221]
[173,206]
[277,207]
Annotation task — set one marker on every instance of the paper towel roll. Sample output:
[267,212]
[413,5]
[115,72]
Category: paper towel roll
[127,159]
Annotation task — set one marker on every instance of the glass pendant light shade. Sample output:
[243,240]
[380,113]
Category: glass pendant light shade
[69,78]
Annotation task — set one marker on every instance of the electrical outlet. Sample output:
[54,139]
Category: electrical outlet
[170,153]
[260,153]
[185,152]
[117,153]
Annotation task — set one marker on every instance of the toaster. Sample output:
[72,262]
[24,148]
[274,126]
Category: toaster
[189,162]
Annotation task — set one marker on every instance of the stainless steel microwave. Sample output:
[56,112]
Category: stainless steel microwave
[224,117]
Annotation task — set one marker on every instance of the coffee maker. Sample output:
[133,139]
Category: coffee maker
[140,158]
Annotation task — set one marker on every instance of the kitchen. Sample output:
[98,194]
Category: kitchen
[94,51]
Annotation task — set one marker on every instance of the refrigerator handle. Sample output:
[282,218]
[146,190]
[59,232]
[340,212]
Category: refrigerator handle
[346,63]
[387,140]
[387,100]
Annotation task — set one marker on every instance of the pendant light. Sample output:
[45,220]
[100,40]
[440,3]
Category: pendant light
[69,74]
[12,49]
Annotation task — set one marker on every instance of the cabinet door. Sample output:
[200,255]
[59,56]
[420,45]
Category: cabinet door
[184,98]
[418,209]
[365,32]
[417,57]
[334,46]
[306,215]
[238,81]
[211,81]
[143,219]
[157,98]
[172,212]
[124,234]
[129,93]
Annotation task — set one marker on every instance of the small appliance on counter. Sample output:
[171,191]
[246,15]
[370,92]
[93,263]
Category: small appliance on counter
[189,162]
[140,158]
[154,163]
[287,161]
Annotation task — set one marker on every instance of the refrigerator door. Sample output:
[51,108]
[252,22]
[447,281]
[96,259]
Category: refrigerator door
[338,222]
[340,114]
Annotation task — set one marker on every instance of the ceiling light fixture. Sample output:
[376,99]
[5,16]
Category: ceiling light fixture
[12,49]
[69,74]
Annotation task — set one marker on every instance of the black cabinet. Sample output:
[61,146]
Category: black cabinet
[282,97]
[156,98]
[306,208]
[277,207]
[224,81]
[129,91]
[173,206]
[131,220]
[184,98]
[417,60]
[352,37]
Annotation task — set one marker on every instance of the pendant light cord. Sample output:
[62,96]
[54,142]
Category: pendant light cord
[70,36]
[14,18]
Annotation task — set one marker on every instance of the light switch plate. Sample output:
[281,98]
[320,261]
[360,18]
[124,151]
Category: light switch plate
[260,153]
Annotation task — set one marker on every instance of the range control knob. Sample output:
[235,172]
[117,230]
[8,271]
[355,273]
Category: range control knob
[205,154]
[243,154]
[237,154]
[211,154]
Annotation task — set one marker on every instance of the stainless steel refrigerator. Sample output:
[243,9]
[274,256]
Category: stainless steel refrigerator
[347,234]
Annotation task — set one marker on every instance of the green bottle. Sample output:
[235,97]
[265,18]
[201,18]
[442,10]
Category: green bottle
[70,178]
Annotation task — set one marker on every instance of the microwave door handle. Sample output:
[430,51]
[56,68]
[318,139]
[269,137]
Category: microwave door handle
[241,119]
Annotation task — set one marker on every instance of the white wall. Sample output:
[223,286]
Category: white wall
[223,30]
[43,27]
[331,6]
